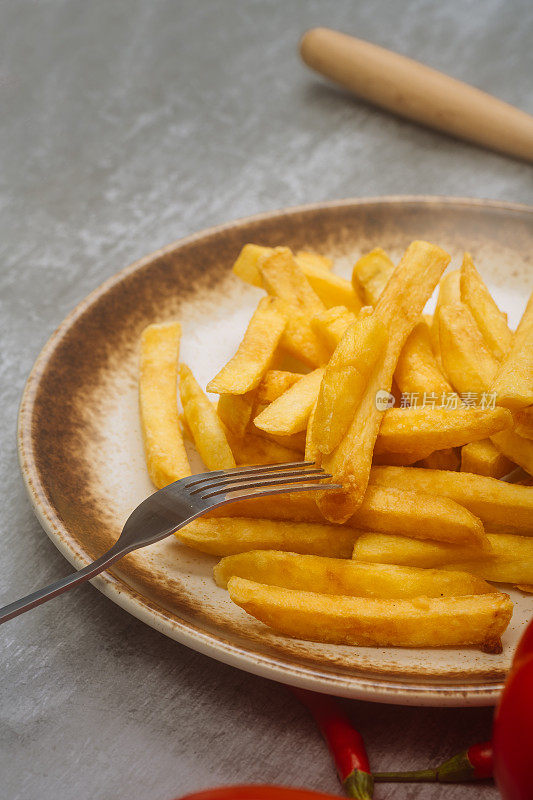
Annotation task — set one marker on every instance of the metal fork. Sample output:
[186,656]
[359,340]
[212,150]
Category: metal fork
[169,509]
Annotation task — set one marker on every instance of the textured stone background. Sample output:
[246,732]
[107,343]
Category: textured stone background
[125,125]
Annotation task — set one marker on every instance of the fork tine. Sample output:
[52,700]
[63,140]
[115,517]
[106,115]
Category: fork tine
[188,482]
[266,484]
[304,487]
[263,477]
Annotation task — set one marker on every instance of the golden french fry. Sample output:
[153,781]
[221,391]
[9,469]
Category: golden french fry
[275,382]
[244,371]
[524,423]
[294,441]
[208,433]
[418,515]
[449,294]
[290,412]
[308,258]
[345,576]
[405,459]
[388,510]
[467,360]
[245,266]
[471,367]
[527,588]
[371,274]
[513,384]
[369,622]
[502,507]
[235,411]
[284,279]
[516,448]
[299,339]
[484,458]
[345,380]
[490,320]
[448,458]
[398,309]
[417,370]
[330,325]
[226,536]
[413,429]
[332,289]
[163,445]
[510,559]
[251,449]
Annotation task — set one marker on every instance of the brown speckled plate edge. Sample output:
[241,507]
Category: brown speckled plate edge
[272,666]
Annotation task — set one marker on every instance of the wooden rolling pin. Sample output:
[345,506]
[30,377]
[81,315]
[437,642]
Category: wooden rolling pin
[417,92]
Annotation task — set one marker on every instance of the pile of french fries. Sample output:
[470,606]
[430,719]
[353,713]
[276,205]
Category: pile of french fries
[418,418]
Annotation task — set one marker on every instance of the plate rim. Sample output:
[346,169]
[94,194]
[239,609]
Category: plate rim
[278,667]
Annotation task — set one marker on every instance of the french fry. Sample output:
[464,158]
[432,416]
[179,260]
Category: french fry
[246,263]
[290,412]
[420,516]
[516,448]
[524,423]
[398,309]
[368,622]
[513,384]
[307,258]
[331,325]
[448,458]
[510,559]
[284,279]
[413,429]
[471,367]
[449,294]
[251,450]
[345,380]
[244,371]
[275,383]
[227,536]
[490,320]
[166,458]
[332,289]
[345,576]
[484,458]
[501,506]
[417,370]
[235,411]
[389,510]
[371,274]
[294,441]
[467,360]
[208,433]
[299,339]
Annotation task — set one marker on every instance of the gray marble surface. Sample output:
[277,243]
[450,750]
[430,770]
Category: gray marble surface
[126,125]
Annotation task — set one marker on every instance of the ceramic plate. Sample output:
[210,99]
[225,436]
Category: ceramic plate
[81,450]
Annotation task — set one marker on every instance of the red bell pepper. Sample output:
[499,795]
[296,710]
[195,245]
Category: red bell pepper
[513,734]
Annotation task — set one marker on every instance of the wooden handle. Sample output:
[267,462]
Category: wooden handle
[420,93]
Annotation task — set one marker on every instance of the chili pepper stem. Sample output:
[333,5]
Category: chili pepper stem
[359,784]
[416,776]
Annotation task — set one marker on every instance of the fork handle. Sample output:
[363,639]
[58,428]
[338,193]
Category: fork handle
[63,585]
[423,94]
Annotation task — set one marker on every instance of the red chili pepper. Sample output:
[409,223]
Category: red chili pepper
[513,734]
[258,793]
[345,743]
[474,764]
